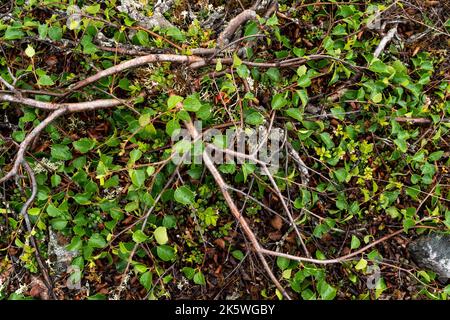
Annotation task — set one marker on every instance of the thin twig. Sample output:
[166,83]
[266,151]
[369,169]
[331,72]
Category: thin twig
[24,213]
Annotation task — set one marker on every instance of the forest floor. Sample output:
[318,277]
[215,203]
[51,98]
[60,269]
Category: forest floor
[351,98]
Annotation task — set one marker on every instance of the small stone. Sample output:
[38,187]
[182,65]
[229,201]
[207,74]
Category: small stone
[432,252]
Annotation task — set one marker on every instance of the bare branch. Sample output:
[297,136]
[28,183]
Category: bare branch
[71,107]
[24,213]
[234,24]
[285,207]
[235,211]
[388,37]
[7,84]
[133,63]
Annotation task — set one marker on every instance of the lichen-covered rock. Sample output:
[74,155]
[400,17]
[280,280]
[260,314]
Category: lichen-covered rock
[432,252]
[60,257]
[134,9]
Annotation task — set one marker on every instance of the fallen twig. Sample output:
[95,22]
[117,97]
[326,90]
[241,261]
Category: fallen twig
[24,213]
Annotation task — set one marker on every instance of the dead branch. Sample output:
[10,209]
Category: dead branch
[234,210]
[133,63]
[28,139]
[71,107]
[59,110]
[24,213]
[233,25]
[386,39]
[286,209]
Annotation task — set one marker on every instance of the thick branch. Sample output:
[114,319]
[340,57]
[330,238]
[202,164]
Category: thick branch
[233,25]
[133,63]
[71,107]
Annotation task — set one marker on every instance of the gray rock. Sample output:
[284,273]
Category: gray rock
[432,252]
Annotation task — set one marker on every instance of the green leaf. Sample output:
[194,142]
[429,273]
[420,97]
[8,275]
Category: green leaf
[447,288]
[172,127]
[436,155]
[93,9]
[84,145]
[165,252]
[53,211]
[251,29]
[184,195]
[34,211]
[97,296]
[55,33]
[43,30]
[143,38]
[139,236]
[97,241]
[191,103]
[29,51]
[199,278]
[326,291]
[236,61]
[135,155]
[145,119]
[75,245]
[55,180]
[188,272]
[175,33]
[247,169]
[131,206]
[341,174]
[278,101]
[273,74]
[173,101]
[272,21]
[295,113]
[137,177]
[160,235]
[209,216]
[304,81]
[150,170]
[219,66]
[361,265]
[243,71]
[45,80]
[376,97]
[326,138]
[378,66]
[146,280]
[238,254]
[283,263]
[303,97]
[254,119]
[13,33]
[58,223]
[18,136]
[61,152]
[169,221]
[355,242]
[401,144]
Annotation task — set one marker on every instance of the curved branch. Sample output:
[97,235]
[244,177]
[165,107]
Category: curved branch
[133,63]
[234,24]
[24,213]
[29,138]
